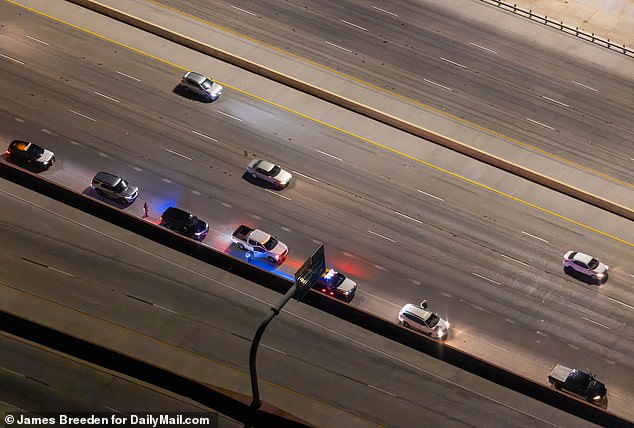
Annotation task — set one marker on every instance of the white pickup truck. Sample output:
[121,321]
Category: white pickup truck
[260,244]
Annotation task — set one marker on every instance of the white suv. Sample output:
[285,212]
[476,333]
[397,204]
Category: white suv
[585,264]
[419,318]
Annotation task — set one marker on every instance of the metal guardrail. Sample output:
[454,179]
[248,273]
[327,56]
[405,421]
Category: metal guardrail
[559,25]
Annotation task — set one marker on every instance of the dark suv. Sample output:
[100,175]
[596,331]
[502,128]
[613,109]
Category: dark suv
[29,153]
[184,223]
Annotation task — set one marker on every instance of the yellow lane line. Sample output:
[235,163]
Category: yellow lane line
[343,131]
[397,95]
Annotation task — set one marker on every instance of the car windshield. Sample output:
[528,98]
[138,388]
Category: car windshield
[593,264]
[274,171]
[270,243]
[36,151]
[433,320]
[206,84]
[192,221]
[121,186]
[338,279]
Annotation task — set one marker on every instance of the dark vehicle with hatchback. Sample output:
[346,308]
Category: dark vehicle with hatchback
[184,223]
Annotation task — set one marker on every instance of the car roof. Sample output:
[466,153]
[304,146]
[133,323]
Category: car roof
[108,178]
[196,77]
[265,165]
[582,257]
[259,235]
[176,214]
[416,310]
[22,146]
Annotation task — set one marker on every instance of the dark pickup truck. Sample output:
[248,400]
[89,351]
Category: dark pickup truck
[577,382]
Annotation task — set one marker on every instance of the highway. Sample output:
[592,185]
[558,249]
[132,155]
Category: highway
[36,379]
[124,289]
[405,231]
[444,58]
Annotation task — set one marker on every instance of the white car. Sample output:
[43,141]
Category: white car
[201,85]
[419,318]
[270,172]
[585,264]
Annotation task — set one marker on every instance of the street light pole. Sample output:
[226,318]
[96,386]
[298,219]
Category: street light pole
[256,403]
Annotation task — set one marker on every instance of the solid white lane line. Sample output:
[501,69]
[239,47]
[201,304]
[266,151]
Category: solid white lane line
[453,62]
[585,86]
[61,271]
[204,135]
[438,84]
[83,115]
[536,237]
[176,153]
[430,195]
[555,101]
[353,25]
[485,278]
[337,46]
[381,236]
[304,175]
[128,76]
[228,115]
[37,40]
[12,59]
[165,309]
[245,11]
[408,217]
[381,390]
[384,11]
[106,96]
[596,322]
[515,260]
[539,123]
[273,349]
[277,194]
[328,154]
[482,47]
[621,303]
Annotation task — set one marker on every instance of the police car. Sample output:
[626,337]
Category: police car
[337,285]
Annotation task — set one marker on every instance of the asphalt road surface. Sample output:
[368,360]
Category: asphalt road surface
[86,268]
[405,231]
[444,58]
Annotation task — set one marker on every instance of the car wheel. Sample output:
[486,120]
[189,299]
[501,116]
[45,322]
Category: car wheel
[557,385]
[405,324]
[567,269]
[99,192]
[271,259]
[241,246]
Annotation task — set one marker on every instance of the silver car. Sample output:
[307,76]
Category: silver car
[585,264]
[270,172]
[114,187]
[201,85]
[419,318]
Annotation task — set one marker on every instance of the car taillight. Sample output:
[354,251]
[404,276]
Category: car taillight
[331,293]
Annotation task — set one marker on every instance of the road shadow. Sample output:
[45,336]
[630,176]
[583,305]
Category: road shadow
[584,278]
[181,91]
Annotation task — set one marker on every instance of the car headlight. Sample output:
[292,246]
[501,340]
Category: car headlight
[440,333]
[596,397]
[600,275]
